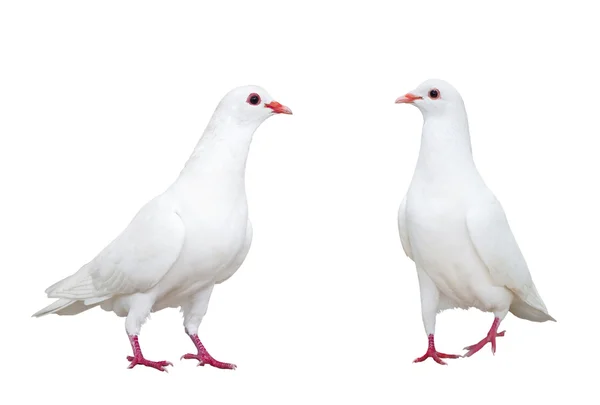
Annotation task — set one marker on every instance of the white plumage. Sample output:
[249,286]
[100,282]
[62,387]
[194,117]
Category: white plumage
[182,242]
[454,229]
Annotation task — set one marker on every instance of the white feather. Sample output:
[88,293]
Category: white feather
[495,243]
[452,226]
[403,230]
[184,241]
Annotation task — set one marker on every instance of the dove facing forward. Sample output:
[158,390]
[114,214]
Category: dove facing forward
[183,242]
[454,229]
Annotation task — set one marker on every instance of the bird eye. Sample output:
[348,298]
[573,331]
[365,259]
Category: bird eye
[434,94]
[253,99]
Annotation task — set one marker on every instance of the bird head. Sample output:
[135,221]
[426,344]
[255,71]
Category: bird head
[433,97]
[248,104]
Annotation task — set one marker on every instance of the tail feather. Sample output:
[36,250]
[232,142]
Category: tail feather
[522,310]
[64,306]
[54,307]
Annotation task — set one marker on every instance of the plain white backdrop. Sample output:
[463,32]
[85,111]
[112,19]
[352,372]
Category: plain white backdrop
[101,104]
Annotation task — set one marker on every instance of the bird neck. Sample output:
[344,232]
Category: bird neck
[223,148]
[445,145]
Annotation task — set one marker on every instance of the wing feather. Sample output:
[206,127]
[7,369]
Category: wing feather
[133,262]
[403,230]
[497,247]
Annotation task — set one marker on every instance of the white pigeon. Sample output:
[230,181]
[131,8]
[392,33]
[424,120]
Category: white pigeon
[182,242]
[454,229]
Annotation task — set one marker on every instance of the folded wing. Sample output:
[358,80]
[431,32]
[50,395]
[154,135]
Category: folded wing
[133,262]
[402,229]
[495,244]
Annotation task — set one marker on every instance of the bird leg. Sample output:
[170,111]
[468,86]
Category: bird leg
[490,338]
[434,354]
[204,357]
[138,357]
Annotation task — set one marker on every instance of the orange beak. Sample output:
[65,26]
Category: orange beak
[278,108]
[407,98]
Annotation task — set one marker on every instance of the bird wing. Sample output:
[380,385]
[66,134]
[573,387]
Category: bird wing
[133,262]
[403,230]
[239,259]
[496,246]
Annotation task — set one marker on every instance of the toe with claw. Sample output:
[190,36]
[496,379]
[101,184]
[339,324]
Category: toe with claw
[434,354]
[207,359]
[490,338]
[159,365]
[138,357]
[204,357]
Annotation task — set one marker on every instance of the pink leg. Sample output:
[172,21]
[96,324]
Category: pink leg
[138,357]
[490,338]
[204,357]
[434,354]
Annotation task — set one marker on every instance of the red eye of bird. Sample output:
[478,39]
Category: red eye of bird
[434,94]
[253,99]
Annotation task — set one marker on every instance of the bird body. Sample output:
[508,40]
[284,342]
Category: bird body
[454,229]
[183,242]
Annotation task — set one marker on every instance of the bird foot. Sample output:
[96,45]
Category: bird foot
[159,365]
[138,357]
[204,357]
[434,354]
[490,338]
[208,359]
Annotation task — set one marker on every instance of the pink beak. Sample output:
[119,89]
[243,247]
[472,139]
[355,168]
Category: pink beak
[278,108]
[407,98]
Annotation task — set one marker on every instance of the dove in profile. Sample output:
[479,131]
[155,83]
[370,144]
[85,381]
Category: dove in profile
[183,242]
[455,230]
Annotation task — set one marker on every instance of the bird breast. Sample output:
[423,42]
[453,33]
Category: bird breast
[441,245]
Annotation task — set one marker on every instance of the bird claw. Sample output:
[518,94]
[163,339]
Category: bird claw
[207,359]
[159,365]
[490,338]
[436,356]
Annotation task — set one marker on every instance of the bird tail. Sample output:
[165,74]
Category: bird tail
[57,307]
[64,306]
[75,294]
[523,310]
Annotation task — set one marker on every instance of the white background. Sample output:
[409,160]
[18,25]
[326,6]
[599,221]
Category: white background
[101,103]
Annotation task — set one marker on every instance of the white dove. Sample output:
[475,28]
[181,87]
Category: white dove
[454,229]
[182,242]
